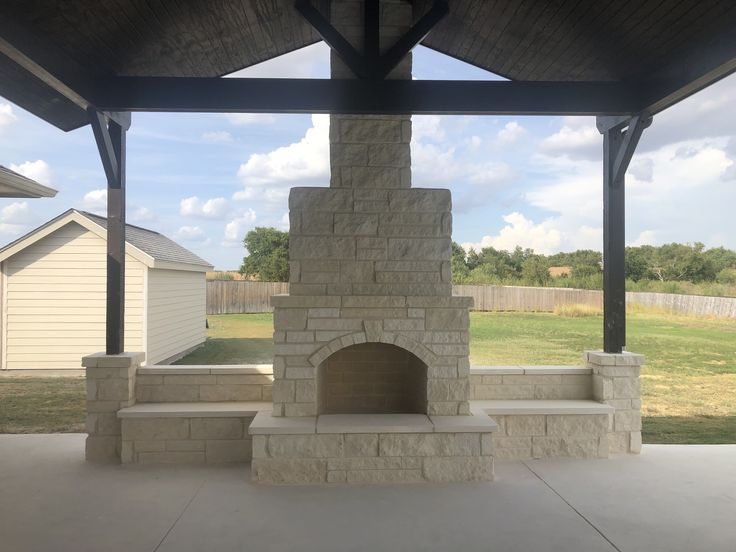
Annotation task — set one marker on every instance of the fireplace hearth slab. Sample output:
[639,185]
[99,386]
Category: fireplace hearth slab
[266,424]
[478,421]
[374,423]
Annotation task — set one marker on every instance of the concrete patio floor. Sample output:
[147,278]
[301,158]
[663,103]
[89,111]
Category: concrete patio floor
[670,498]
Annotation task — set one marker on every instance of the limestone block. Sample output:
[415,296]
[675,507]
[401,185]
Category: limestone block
[216,428]
[357,271]
[420,200]
[127,454]
[155,429]
[190,380]
[635,442]
[283,390]
[548,447]
[384,301]
[564,425]
[167,393]
[107,423]
[376,177]
[300,409]
[141,380]
[290,319]
[532,379]
[525,425]
[366,463]
[602,387]
[407,277]
[218,452]
[447,319]
[519,443]
[427,444]
[383,476]
[626,388]
[181,445]
[306,390]
[618,442]
[468,468]
[438,371]
[376,131]
[329,200]
[384,155]
[486,444]
[178,457]
[322,247]
[259,446]
[230,393]
[627,420]
[337,476]
[113,389]
[445,408]
[356,224]
[424,249]
[362,444]
[323,313]
[300,372]
[305,446]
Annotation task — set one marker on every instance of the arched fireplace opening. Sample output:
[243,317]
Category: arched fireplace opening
[375,378]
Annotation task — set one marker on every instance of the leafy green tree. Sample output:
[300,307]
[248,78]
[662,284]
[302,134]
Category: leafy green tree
[458,263]
[720,258]
[267,255]
[727,276]
[535,270]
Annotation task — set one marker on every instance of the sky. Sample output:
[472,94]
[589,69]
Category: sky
[206,179]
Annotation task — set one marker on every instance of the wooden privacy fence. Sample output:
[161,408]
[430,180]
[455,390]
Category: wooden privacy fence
[233,297]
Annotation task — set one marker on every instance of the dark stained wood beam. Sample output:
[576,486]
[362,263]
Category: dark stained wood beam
[620,138]
[110,138]
[179,94]
[690,73]
[47,63]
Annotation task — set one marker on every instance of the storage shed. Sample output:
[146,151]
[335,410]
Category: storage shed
[53,294]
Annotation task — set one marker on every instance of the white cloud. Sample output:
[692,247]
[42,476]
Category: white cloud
[510,133]
[642,168]
[141,214]
[519,230]
[474,142]
[35,170]
[646,237]
[7,116]
[577,139]
[191,233]
[267,176]
[15,219]
[309,62]
[16,213]
[242,119]
[215,208]
[217,137]
[95,201]
[235,229]
[427,127]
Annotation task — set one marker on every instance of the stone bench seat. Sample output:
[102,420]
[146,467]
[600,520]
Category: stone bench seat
[549,428]
[224,409]
[530,407]
[533,370]
[188,433]
[205,369]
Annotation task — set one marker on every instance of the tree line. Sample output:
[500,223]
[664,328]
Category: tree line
[267,259]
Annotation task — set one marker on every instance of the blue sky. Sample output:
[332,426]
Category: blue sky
[206,179]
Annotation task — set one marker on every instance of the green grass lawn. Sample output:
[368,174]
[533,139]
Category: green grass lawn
[688,383]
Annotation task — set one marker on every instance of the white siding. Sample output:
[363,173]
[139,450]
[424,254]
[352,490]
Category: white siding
[56,301]
[176,312]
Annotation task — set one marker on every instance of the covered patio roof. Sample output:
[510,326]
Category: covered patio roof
[561,57]
[13,184]
[81,62]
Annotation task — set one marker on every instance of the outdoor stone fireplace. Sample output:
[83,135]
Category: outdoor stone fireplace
[371,370]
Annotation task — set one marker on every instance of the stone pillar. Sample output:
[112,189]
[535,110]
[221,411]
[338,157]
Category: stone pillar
[110,387]
[370,151]
[616,383]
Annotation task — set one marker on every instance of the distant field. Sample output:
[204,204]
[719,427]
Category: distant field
[688,383]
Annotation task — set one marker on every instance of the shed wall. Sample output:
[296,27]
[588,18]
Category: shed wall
[176,312]
[55,301]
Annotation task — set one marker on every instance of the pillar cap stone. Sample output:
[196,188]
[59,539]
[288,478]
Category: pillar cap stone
[123,360]
[613,359]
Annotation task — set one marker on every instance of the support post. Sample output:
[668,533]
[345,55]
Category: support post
[620,138]
[110,138]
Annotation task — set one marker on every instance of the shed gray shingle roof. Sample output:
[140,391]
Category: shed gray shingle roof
[152,243]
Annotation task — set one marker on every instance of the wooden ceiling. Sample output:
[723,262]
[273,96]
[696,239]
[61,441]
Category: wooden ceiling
[523,40]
